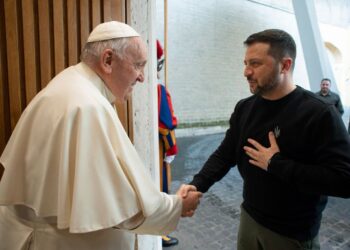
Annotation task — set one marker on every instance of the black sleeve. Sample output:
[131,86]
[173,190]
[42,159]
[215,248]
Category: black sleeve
[339,106]
[327,171]
[220,162]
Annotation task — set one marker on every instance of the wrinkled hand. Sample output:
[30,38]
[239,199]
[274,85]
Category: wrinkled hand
[260,156]
[185,189]
[190,199]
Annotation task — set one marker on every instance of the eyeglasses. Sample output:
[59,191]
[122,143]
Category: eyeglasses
[137,66]
[160,65]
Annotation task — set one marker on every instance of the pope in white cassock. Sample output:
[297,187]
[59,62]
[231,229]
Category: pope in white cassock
[72,178]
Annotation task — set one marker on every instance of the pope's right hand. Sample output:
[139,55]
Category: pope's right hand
[190,199]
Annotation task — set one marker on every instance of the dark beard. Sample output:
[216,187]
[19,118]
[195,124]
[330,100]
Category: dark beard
[270,84]
[324,92]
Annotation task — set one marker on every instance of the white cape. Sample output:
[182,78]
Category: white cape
[70,157]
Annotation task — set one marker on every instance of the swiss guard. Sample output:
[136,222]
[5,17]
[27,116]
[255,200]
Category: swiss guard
[167,123]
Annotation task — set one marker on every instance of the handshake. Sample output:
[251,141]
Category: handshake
[190,199]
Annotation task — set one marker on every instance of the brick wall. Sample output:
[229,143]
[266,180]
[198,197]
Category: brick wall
[206,53]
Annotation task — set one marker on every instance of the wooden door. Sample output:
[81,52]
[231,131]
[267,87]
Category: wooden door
[38,39]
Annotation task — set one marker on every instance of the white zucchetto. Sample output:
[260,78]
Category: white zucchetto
[111,30]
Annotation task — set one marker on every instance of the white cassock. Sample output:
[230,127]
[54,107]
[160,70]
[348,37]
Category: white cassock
[75,174]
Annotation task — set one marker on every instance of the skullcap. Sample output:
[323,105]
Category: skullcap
[111,30]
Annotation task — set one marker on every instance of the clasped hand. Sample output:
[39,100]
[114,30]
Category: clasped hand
[190,199]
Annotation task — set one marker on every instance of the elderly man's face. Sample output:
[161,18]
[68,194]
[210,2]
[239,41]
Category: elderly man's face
[129,70]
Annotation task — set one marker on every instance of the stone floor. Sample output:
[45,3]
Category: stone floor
[215,224]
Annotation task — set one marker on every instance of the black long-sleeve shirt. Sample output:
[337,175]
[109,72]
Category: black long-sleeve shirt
[332,98]
[314,161]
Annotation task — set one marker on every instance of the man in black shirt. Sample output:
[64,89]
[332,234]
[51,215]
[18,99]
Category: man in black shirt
[291,149]
[331,97]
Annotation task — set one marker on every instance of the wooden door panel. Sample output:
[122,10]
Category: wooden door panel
[40,38]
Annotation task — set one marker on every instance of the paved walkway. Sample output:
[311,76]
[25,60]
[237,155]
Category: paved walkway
[214,226]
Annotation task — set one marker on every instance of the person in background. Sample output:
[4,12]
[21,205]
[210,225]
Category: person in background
[331,97]
[167,123]
[72,178]
[290,147]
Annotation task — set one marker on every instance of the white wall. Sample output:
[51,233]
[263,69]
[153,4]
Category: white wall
[206,52]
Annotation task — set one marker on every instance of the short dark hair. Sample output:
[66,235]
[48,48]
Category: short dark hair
[281,43]
[326,79]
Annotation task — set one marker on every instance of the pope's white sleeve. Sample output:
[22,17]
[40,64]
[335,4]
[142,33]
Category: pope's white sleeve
[163,221]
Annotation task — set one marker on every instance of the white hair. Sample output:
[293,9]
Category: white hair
[92,50]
